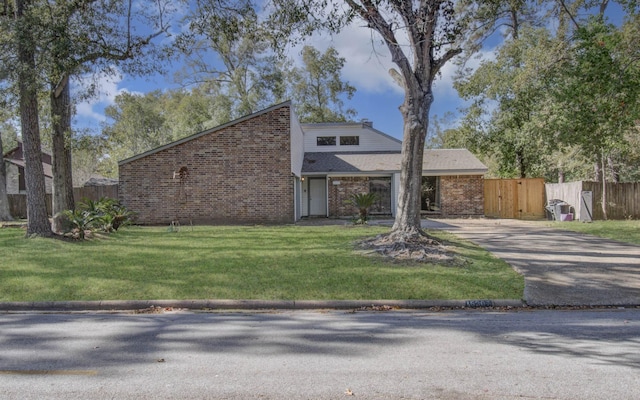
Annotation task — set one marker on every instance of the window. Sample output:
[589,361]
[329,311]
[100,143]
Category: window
[326,141]
[430,194]
[349,140]
[22,184]
[382,188]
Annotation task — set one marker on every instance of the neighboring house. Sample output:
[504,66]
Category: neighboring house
[14,161]
[269,168]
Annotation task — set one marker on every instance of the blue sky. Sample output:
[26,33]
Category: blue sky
[367,64]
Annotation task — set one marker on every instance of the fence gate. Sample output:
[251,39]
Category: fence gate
[514,198]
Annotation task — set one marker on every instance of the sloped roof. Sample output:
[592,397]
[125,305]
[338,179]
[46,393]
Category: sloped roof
[15,156]
[205,132]
[436,162]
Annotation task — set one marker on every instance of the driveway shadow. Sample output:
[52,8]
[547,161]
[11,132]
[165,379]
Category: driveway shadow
[559,267]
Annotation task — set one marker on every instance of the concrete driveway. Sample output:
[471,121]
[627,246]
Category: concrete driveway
[560,267]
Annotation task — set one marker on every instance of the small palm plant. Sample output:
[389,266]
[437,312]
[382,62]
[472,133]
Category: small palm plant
[105,214]
[363,201]
[81,221]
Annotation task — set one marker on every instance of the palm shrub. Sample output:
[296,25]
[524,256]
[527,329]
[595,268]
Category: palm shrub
[363,201]
[104,214]
[111,213]
[80,222]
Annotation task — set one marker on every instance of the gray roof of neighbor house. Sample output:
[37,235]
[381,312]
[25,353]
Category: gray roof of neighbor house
[435,162]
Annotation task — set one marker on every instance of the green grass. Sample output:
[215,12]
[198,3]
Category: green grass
[269,263]
[624,231]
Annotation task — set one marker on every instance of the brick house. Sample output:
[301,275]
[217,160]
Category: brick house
[15,164]
[269,168]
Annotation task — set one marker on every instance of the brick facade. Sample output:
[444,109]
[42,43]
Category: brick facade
[462,195]
[339,195]
[239,173]
[459,195]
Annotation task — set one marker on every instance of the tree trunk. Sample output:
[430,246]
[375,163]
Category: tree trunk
[615,174]
[5,212]
[62,198]
[415,113]
[561,174]
[604,190]
[597,171]
[522,167]
[38,221]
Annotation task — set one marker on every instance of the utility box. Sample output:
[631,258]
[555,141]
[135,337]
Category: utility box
[586,206]
[559,210]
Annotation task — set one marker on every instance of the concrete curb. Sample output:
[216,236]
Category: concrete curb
[123,305]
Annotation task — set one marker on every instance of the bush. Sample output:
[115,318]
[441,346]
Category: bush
[362,201]
[106,215]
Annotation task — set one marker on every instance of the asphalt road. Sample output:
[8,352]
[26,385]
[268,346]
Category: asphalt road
[539,354]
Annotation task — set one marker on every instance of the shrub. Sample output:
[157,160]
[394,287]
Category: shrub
[363,201]
[105,214]
[80,222]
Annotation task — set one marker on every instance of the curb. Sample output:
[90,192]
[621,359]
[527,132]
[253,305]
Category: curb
[124,305]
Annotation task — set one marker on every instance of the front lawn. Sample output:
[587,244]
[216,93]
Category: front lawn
[226,262]
[624,231]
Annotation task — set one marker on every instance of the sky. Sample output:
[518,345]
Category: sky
[366,68]
[367,62]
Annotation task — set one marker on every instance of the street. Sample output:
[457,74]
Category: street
[480,354]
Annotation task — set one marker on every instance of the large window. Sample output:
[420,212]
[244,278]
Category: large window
[349,140]
[430,194]
[382,188]
[326,141]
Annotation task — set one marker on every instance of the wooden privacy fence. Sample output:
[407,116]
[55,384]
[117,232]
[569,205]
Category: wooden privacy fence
[514,198]
[18,202]
[623,199]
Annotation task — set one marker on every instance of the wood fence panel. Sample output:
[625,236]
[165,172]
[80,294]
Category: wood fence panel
[623,200]
[18,205]
[492,198]
[531,200]
[95,192]
[514,198]
[18,202]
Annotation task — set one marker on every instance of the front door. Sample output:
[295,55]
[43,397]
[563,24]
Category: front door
[317,197]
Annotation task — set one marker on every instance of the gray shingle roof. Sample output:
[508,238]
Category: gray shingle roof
[436,162]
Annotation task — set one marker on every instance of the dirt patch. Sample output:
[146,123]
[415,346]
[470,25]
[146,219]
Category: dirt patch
[422,249]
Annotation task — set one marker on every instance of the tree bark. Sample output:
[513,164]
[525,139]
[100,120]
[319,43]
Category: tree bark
[5,212]
[415,112]
[604,190]
[62,197]
[38,221]
[615,174]
[522,166]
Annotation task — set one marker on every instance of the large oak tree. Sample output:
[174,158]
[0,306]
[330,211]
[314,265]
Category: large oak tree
[421,36]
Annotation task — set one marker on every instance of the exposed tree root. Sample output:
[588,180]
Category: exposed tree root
[414,245]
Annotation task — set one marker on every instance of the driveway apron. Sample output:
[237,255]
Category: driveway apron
[559,267]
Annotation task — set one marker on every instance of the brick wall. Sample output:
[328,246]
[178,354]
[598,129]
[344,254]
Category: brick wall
[340,194]
[459,195]
[238,174]
[462,195]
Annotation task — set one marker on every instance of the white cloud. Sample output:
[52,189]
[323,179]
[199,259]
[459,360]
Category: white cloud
[105,85]
[443,85]
[367,59]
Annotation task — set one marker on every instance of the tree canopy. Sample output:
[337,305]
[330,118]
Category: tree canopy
[560,98]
